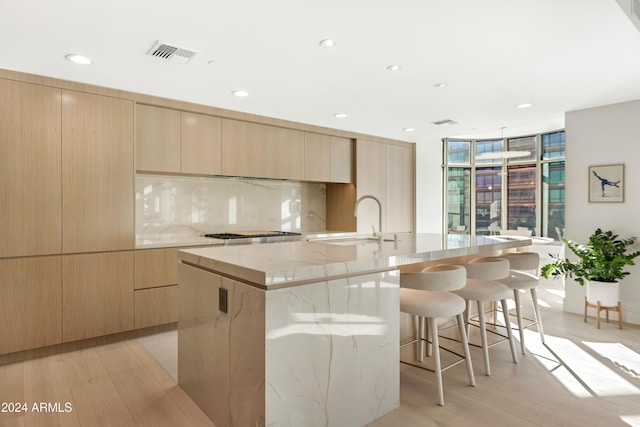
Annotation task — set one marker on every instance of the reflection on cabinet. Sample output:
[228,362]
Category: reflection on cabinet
[262,151]
[200,144]
[97,173]
[175,141]
[327,158]
[386,172]
[156,306]
[156,267]
[30,303]
[157,139]
[97,294]
[30,153]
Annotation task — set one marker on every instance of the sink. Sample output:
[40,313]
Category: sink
[352,241]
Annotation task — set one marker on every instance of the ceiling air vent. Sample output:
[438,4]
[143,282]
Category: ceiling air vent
[445,122]
[172,53]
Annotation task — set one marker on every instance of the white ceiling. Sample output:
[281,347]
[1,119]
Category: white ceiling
[559,55]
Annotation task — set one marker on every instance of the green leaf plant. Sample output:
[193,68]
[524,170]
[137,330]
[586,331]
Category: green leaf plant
[603,259]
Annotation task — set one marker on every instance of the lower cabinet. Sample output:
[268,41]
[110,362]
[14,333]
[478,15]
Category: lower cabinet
[156,306]
[30,303]
[97,294]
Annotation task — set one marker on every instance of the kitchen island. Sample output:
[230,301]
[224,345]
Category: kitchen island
[302,333]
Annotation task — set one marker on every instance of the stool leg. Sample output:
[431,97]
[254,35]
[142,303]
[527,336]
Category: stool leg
[598,318]
[516,298]
[483,337]
[512,343]
[428,332]
[467,316]
[433,330]
[465,349]
[536,311]
[420,355]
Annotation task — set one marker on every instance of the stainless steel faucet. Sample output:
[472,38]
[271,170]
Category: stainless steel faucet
[355,213]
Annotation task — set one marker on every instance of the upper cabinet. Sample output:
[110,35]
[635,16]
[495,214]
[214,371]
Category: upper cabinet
[30,168]
[175,141]
[157,139]
[262,151]
[97,174]
[200,144]
[328,158]
[385,171]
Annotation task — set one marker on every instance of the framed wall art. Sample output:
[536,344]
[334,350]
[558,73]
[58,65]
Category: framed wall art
[606,183]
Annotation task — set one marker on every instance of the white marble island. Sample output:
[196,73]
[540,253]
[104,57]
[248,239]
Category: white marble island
[311,329]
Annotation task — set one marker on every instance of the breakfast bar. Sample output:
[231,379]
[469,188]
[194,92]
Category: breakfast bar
[302,333]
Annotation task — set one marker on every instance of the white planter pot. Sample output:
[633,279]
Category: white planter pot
[607,293]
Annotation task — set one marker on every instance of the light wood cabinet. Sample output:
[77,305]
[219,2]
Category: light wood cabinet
[157,139]
[386,172]
[200,144]
[156,306]
[97,173]
[97,294]
[327,158]
[30,303]
[30,168]
[370,180]
[156,267]
[175,141]
[262,151]
[399,202]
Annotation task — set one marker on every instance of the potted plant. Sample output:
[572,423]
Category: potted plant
[601,264]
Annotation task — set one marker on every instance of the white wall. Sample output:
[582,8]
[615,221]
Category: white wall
[598,136]
[429,187]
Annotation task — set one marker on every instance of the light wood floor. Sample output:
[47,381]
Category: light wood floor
[582,377]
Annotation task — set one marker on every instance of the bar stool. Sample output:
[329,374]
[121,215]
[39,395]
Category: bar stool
[523,275]
[482,286]
[426,296]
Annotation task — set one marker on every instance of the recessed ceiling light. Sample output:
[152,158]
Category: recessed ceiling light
[340,115]
[440,85]
[240,93]
[78,59]
[327,43]
[523,105]
[408,129]
[394,67]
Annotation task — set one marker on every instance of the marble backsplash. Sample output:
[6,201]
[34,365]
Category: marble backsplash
[190,206]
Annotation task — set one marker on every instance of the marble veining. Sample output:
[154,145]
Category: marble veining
[191,206]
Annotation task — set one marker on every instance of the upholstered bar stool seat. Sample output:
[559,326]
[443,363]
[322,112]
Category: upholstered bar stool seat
[482,286]
[425,295]
[523,275]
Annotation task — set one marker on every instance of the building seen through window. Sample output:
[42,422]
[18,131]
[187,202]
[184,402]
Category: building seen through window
[523,174]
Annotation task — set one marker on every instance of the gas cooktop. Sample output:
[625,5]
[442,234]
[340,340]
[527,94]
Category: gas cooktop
[251,234]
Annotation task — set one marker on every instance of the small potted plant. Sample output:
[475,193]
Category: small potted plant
[601,265]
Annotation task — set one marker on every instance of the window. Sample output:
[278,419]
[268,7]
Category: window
[524,174]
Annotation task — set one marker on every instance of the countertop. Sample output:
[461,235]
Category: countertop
[284,264]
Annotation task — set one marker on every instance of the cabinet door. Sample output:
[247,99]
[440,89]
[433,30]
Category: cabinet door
[327,158]
[97,173]
[370,180]
[30,303]
[400,194]
[30,153]
[157,139]
[97,294]
[255,150]
[200,144]
[156,267]
[156,306]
